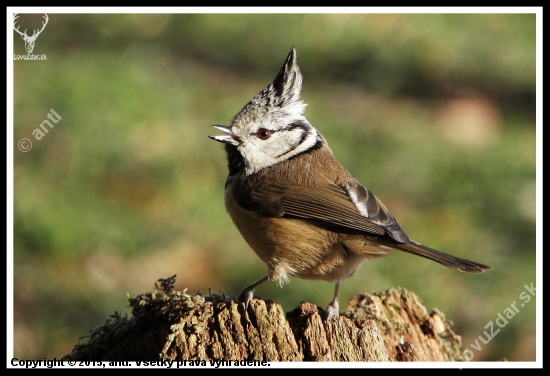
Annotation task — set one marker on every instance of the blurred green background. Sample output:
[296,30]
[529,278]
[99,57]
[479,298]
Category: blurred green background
[434,113]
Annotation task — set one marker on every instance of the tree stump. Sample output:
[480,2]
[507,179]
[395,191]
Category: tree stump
[392,325]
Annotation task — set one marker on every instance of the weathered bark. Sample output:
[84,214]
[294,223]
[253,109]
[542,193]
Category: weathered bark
[393,325]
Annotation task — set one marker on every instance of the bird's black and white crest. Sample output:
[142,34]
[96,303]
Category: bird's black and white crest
[271,128]
[282,95]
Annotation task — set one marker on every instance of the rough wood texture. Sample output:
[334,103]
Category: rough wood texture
[393,325]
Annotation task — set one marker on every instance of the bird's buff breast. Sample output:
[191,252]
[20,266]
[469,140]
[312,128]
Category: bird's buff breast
[295,247]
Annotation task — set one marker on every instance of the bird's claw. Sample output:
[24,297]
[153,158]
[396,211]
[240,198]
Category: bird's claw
[246,296]
[333,310]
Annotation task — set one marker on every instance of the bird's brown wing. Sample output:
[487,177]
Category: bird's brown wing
[351,206]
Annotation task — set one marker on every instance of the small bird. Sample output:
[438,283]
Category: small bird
[295,205]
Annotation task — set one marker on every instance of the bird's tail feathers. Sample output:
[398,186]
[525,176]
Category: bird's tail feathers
[443,258]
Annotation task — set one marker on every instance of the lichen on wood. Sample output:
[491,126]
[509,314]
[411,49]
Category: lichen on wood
[392,325]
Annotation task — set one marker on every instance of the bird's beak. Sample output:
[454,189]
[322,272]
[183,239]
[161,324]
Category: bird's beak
[230,138]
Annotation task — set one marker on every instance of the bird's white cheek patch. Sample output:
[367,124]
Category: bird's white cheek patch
[297,144]
[255,159]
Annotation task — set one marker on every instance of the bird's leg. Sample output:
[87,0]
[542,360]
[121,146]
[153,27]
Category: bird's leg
[333,307]
[248,292]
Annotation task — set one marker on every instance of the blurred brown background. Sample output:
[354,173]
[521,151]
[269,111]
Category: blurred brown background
[434,113]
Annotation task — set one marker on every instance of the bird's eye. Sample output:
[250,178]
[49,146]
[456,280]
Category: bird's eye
[263,134]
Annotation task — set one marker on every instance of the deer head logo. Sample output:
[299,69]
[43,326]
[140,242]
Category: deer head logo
[29,40]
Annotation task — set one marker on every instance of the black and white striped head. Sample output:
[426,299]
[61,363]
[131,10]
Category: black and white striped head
[270,128]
